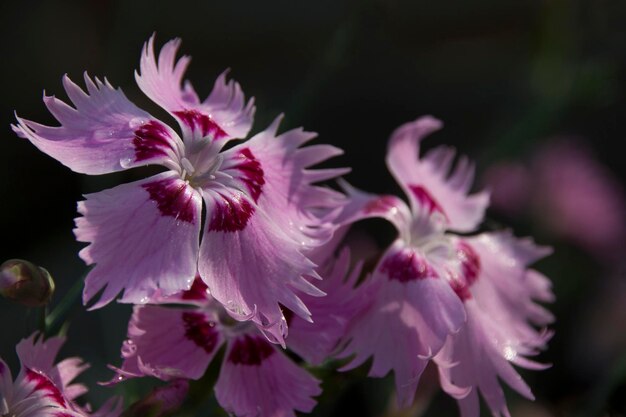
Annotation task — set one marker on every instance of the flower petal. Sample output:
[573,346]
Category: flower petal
[6,387]
[428,182]
[170,343]
[256,380]
[479,362]
[505,290]
[104,133]
[223,115]
[250,264]
[362,205]
[275,170]
[316,341]
[408,323]
[143,237]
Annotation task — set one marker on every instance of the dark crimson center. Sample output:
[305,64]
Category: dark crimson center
[250,350]
[252,173]
[230,214]
[201,122]
[151,140]
[198,290]
[200,331]
[407,266]
[42,383]
[174,198]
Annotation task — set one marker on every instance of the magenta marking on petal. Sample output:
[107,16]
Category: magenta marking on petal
[461,288]
[380,205]
[174,198]
[230,214]
[201,122]
[198,291]
[42,383]
[252,171]
[470,262]
[200,331]
[151,140]
[250,350]
[407,266]
[426,199]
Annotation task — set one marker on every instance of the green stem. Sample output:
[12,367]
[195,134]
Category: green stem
[56,318]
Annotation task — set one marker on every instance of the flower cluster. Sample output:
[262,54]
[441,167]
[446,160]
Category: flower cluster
[239,247]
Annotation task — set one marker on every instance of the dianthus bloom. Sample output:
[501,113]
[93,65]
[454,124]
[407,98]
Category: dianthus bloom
[256,378]
[45,389]
[465,302]
[148,237]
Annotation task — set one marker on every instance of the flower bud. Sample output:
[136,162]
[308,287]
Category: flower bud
[25,283]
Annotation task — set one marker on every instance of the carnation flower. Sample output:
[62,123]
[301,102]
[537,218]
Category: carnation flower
[150,237]
[425,283]
[256,379]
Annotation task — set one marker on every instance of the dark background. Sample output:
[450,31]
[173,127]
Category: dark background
[504,76]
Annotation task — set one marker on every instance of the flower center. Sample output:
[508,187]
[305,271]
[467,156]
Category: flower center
[201,162]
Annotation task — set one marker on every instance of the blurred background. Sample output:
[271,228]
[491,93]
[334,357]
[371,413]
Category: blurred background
[534,91]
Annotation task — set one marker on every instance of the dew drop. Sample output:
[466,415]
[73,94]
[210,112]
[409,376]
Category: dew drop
[136,122]
[103,134]
[126,162]
[128,348]
[509,353]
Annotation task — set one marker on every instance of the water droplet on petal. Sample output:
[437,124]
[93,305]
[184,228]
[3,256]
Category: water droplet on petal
[136,122]
[126,162]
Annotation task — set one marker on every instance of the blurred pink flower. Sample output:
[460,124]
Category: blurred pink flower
[565,188]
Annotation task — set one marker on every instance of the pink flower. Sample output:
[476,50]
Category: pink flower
[262,212]
[171,342]
[415,306]
[43,388]
[423,285]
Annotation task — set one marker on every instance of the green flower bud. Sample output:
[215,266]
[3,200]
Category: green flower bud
[25,283]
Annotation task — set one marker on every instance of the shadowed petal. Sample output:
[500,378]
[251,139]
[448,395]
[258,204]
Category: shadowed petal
[258,381]
[332,313]
[408,323]
[170,343]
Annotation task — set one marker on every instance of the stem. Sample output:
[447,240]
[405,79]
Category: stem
[55,320]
